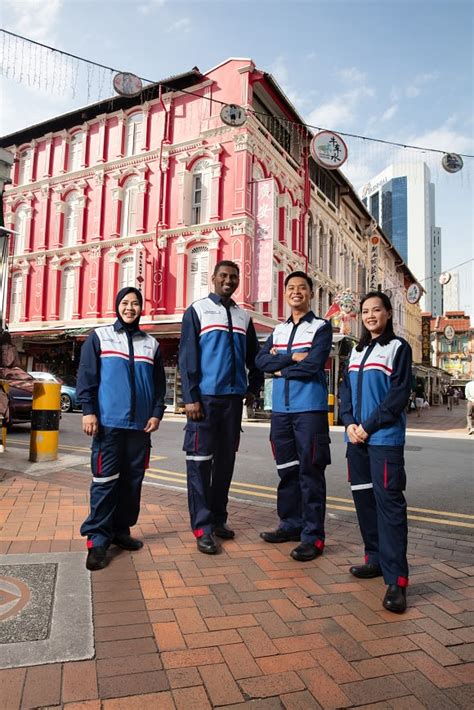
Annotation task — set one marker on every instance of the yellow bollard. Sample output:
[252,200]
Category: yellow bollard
[44,439]
[6,388]
[331,409]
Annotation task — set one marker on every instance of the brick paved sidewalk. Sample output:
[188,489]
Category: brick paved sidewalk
[249,628]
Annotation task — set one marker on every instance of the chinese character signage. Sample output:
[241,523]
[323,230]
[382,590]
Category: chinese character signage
[374,242]
[425,341]
[263,243]
[328,149]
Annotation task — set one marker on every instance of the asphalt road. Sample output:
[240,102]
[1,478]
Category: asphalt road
[440,471]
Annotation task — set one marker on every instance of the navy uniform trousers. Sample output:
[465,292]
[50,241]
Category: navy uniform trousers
[300,443]
[377,477]
[119,459]
[210,445]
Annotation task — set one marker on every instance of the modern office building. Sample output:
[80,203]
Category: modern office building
[402,200]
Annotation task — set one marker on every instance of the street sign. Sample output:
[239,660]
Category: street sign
[452,162]
[414,293]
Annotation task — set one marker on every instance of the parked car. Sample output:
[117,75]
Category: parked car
[20,394]
[68,389]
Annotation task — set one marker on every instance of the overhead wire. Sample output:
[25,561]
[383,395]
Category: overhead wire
[224,103]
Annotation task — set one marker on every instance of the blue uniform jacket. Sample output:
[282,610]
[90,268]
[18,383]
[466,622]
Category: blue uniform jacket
[121,378]
[302,386]
[217,343]
[375,391]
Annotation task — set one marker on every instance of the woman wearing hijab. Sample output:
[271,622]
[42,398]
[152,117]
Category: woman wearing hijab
[374,396]
[121,386]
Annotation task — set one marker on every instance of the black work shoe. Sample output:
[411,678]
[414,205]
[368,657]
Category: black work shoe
[127,542]
[281,535]
[224,532]
[366,571]
[96,558]
[305,552]
[207,544]
[395,599]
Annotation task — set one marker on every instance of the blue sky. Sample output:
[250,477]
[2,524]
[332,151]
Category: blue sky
[397,70]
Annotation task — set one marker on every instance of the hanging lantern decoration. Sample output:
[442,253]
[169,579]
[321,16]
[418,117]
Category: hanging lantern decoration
[414,293]
[126,84]
[328,150]
[452,162]
[233,115]
[444,278]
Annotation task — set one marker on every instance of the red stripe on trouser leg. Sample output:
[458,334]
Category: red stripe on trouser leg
[348,472]
[90,544]
[198,533]
[319,544]
[147,460]
[273,449]
[402,581]
[99,463]
[385,475]
[366,559]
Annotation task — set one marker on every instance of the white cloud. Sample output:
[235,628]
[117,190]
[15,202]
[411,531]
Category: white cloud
[414,89]
[352,75]
[389,113]
[182,25]
[147,8]
[341,110]
[35,19]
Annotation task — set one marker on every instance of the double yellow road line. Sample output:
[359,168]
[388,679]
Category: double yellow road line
[254,490]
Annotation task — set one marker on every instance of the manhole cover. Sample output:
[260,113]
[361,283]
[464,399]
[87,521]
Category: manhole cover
[42,598]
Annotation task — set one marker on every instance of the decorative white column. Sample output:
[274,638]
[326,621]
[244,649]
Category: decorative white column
[116,211]
[85,141]
[64,151]
[182,160]
[213,242]
[76,263]
[145,133]
[142,189]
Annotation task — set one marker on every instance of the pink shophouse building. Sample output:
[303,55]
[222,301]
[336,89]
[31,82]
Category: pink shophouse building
[153,191]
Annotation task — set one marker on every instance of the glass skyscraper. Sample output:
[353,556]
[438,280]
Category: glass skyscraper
[402,200]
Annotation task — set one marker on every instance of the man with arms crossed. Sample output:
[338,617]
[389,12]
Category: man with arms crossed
[296,354]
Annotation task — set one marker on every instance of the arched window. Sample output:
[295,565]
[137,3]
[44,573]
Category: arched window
[133,140]
[16,297]
[68,289]
[198,273]
[310,241]
[129,207]
[71,219]
[75,151]
[20,229]
[127,271]
[200,192]
[26,165]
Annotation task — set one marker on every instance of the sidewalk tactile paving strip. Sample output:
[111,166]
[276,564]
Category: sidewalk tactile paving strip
[45,609]
[26,601]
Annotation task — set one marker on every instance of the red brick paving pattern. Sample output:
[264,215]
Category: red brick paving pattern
[248,628]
